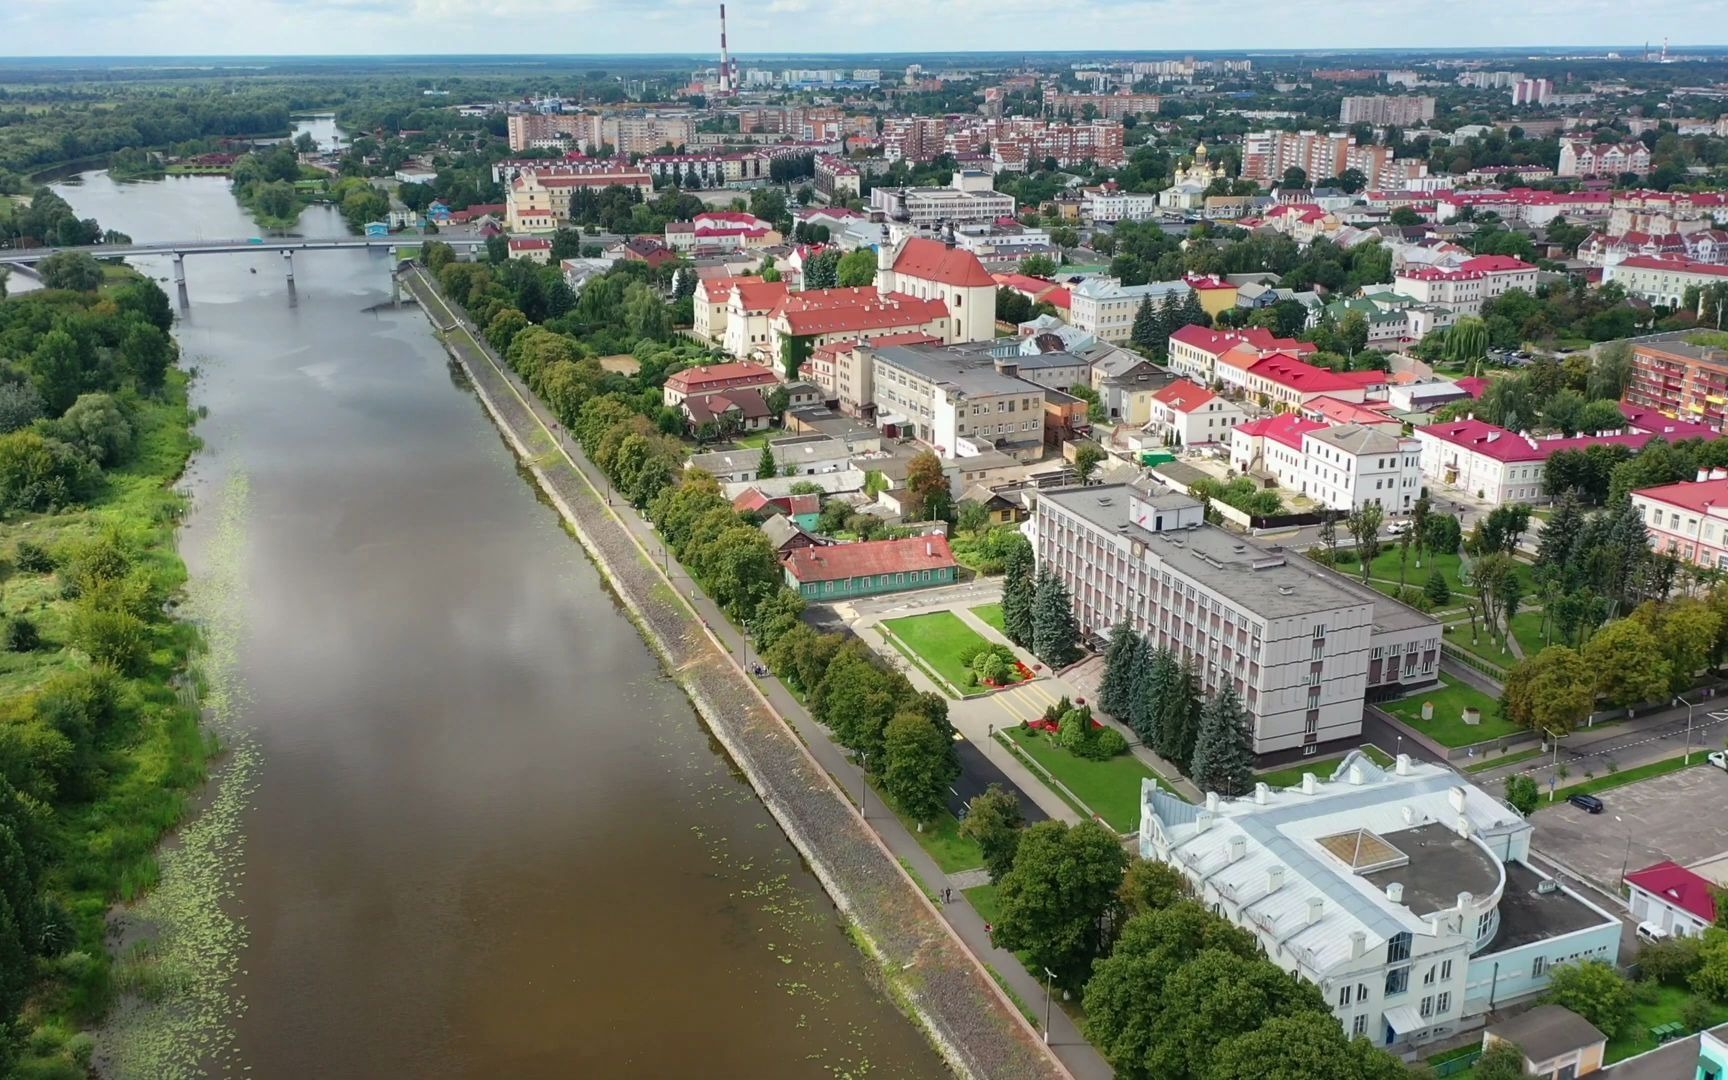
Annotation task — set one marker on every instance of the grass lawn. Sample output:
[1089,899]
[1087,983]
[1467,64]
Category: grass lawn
[991,614]
[1663,1007]
[942,641]
[983,901]
[1626,776]
[754,440]
[1111,789]
[941,838]
[1448,728]
[1527,630]
[1504,759]
[1486,645]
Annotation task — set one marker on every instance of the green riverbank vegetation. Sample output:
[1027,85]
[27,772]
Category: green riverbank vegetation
[99,739]
[274,188]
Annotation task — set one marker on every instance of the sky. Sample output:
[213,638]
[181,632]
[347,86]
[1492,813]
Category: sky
[375,27]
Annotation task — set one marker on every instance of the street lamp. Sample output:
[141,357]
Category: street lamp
[1682,701]
[1049,977]
[863,780]
[1626,860]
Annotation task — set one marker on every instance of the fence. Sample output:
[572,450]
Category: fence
[1470,659]
[1454,1066]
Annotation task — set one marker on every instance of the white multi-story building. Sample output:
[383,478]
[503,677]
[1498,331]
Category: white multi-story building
[1187,414]
[1405,894]
[968,200]
[1297,642]
[1500,466]
[1105,308]
[1350,466]
[1463,289]
[1581,158]
[950,400]
[1108,205]
[1383,109]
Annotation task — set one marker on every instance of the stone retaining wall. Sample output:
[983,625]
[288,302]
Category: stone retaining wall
[931,973]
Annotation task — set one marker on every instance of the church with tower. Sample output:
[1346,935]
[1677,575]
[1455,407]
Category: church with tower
[1188,192]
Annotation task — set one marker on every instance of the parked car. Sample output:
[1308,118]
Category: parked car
[1651,933]
[1398,528]
[1719,759]
[1590,804]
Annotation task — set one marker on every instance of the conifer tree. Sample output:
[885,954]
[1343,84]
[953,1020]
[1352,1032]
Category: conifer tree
[1055,634]
[1223,747]
[1145,331]
[1017,594]
[1125,651]
[1179,717]
[766,467]
[1154,680]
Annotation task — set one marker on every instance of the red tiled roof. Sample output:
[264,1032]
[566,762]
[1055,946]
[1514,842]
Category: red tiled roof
[1204,283]
[910,337]
[1679,266]
[1679,886]
[1642,419]
[697,377]
[1472,385]
[854,310]
[750,499]
[1287,428]
[746,400]
[933,260]
[1496,264]
[1694,495]
[1184,395]
[1218,342]
[529,243]
[758,295]
[1286,370]
[1491,440]
[1347,412]
[870,558]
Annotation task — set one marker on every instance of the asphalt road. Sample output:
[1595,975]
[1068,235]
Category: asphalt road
[977,773]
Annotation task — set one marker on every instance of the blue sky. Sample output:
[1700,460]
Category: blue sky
[279,27]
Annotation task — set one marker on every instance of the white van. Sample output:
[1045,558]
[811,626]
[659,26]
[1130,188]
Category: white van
[1651,933]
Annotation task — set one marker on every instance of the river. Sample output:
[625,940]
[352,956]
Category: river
[479,834]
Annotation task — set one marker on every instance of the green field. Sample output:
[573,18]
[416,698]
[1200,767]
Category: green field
[942,641]
[991,615]
[1663,1007]
[1486,646]
[1450,698]
[1110,789]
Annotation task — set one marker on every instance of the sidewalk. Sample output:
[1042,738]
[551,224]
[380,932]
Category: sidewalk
[1076,1056]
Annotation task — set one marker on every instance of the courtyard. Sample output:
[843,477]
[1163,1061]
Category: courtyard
[1681,816]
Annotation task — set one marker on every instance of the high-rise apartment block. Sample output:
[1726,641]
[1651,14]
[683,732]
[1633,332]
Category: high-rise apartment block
[1383,109]
[1266,154]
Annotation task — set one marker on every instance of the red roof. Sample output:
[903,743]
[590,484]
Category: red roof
[529,243]
[1678,266]
[1472,385]
[854,310]
[1694,495]
[910,337]
[1491,440]
[1679,886]
[758,295]
[1496,264]
[870,558]
[748,500]
[933,260]
[1204,283]
[1286,370]
[1641,419]
[1347,412]
[1184,396]
[697,377]
[1287,428]
[1218,342]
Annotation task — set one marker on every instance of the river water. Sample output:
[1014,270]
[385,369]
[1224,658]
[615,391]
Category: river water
[483,836]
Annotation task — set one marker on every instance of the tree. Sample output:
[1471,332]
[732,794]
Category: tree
[1559,538]
[1178,722]
[971,516]
[994,822]
[1224,746]
[1550,692]
[822,271]
[1442,535]
[1087,458]
[1501,1061]
[1055,633]
[1628,663]
[1364,526]
[1150,885]
[70,270]
[98,425]
[1405,217]
[1328,536]
[1467,341]
[766,467]
[1038,266]
[1302,1046]
[1522,793]
[1146,330]
[1295,177]
[1711,978]
[924,479]
[1058,901]
[921,764]
[1595,990]
[1436,589]
[857,268]
[1353,331]
[1126,653]
[38,473]
[1018,592]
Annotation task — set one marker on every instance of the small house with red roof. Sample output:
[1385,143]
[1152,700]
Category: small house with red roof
[1188,414]
[871,568]
[695,382]
[1678,900]
[533,248]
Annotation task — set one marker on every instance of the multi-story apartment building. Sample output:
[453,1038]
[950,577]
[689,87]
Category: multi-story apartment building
[1405,894]
[1267,154]
[740,169]
[1532,91]
[1688,520]
[969,199]
[1023,142]
[528,129]
[1105,308]
[1464,288]
[1581,158]
[1663,280]
[1295,641]
[913,138]
[1382,109]
[837,178]
[1105,106]
[644,133]
[1681,380]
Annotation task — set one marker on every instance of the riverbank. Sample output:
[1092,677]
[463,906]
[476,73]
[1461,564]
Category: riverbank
[924,965]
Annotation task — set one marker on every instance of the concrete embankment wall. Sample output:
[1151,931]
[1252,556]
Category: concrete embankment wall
[929,971]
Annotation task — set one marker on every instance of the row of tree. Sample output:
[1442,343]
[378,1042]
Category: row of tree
[1160,697]
[1037,610]
[1171,990]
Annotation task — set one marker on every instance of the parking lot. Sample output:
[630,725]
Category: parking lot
[1682,816]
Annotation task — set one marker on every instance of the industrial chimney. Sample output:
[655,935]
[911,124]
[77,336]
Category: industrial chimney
[727,83]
